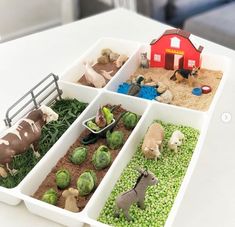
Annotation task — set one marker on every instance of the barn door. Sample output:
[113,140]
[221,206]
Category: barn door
[169,61]
[181,62]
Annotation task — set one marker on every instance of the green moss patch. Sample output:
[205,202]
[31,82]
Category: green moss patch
[169,169]
[68,110]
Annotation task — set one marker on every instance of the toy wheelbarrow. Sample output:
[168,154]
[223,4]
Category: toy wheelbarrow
[95,135]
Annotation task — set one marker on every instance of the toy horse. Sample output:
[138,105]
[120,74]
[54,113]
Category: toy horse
[136,194]
[181,74]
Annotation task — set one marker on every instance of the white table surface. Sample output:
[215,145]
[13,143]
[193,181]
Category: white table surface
[210,197]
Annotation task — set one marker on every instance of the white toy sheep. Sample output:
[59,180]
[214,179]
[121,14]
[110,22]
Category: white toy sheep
[176,140]
[166,95]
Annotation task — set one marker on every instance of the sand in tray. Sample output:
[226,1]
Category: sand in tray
[183,91]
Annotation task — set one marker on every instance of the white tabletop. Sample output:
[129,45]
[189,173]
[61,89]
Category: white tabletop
[209,199]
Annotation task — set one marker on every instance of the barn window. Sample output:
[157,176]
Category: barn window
[157,57]
[191,63]
[175,42]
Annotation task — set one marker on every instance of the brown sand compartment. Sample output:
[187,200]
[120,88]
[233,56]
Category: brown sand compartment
[182,92]
[77,170]
[109,62]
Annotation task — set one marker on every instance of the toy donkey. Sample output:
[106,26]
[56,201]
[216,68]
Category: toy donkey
[136,194]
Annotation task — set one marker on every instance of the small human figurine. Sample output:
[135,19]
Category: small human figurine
[25,134]
[70,196]
[176,140]
[153,140]
[136,194]
[186,74]
[144,63]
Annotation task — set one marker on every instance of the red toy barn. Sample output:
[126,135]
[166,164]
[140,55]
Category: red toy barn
[175,49]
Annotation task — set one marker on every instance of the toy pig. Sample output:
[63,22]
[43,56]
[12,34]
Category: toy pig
[153,139]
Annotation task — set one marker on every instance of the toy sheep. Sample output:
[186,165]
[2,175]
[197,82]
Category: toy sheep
[176,140]
[153,140]
[113,56]
[121,60]
[136,194]
[104,59]
[70,196]
[166,95]
[106,52]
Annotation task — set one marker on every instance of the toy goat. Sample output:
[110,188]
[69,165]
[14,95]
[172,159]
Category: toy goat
[153,140]
[181,74]
[70,196]
[25,134]
[136,194]
[166,95]
[176,140]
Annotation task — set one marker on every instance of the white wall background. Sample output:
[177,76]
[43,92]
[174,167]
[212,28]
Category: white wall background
[21,17]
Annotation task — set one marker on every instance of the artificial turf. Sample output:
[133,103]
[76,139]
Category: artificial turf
[68,111]
[169,169]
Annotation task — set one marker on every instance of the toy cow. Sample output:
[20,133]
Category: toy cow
[153,140]
[176,140]
[25,134]
[136,194]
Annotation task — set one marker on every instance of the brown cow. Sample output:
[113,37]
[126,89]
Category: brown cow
[25,134]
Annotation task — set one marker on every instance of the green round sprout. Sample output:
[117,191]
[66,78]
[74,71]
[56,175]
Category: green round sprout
[101,158]
[86,182]
[93,126]
[79,155]
[115,139]
[50,196]
[130,120]
[63,178]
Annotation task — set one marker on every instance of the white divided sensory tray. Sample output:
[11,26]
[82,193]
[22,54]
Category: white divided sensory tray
[173,169]
[9,189]
[59,158]
[75,72]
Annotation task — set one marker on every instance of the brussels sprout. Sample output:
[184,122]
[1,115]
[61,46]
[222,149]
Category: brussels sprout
[86,182]
[63,178]
[108,115]
[130,120]
[93,126]
[115,139]
[101,158]
[79,155]
[50,196]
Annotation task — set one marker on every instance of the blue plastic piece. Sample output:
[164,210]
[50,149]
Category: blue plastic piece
[146,92]
[197,91]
